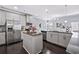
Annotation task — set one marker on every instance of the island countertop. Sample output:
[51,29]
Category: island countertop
[31,34]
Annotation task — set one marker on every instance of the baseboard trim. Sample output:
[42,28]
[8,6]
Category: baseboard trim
[31,53]
[3,44]
[15,42]
[11,43]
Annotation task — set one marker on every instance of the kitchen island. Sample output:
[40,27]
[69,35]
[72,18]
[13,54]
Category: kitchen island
[32,43]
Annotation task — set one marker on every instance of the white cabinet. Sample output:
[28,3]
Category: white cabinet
[28,18]
[68,36]
[52,37]
[2,17]
[16,18]
[59,38]
[62,39]
[23,20]
[75,26]
[32,44]
[9,16]
[12,16]
[48,36]
[2,38]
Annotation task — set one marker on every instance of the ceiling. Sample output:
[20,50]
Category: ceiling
[46,11]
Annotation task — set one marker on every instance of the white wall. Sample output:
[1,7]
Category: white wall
[61,19]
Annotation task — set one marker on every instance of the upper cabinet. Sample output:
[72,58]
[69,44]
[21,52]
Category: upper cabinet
[75,26]
[23,20]
[12,16]
[18,19]
[2,17]
[28,19]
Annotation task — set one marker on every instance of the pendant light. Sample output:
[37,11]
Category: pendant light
[66,14]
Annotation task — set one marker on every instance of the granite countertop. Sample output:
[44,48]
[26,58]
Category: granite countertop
[32,34]
[60,32]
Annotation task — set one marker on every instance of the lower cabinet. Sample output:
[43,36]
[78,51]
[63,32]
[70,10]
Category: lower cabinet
[55,37]
[52,37]
[59,38]
[2,38]
[68,37]
[62,39]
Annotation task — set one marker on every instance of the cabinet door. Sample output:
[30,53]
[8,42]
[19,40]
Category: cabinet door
[62,39]
[12,16]
[2,38]
[17,35]
[54,37]
[48,36]
[28,18]
[68,37]
[23,20]
[2,17]
[9,16]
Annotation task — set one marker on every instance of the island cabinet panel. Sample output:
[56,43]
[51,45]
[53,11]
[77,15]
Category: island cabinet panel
[33,44]
[38,43]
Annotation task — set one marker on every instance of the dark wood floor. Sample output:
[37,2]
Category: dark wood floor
[17,48]
[53,49]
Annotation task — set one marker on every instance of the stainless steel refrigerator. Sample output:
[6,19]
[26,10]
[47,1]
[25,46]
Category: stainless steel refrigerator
[12,32]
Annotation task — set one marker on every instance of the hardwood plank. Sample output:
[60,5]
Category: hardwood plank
[17,48]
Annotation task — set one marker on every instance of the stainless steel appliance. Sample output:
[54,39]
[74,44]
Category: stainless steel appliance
[2,34]
[13,35]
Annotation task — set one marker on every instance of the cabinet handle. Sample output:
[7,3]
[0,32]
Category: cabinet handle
[64,38]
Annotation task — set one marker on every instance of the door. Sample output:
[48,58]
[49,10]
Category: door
[54,37]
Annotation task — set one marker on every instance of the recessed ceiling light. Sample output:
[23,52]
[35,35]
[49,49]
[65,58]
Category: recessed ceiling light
[15,7]
[65,21]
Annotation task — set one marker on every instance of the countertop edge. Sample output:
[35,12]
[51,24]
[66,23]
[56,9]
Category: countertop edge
[59,32]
